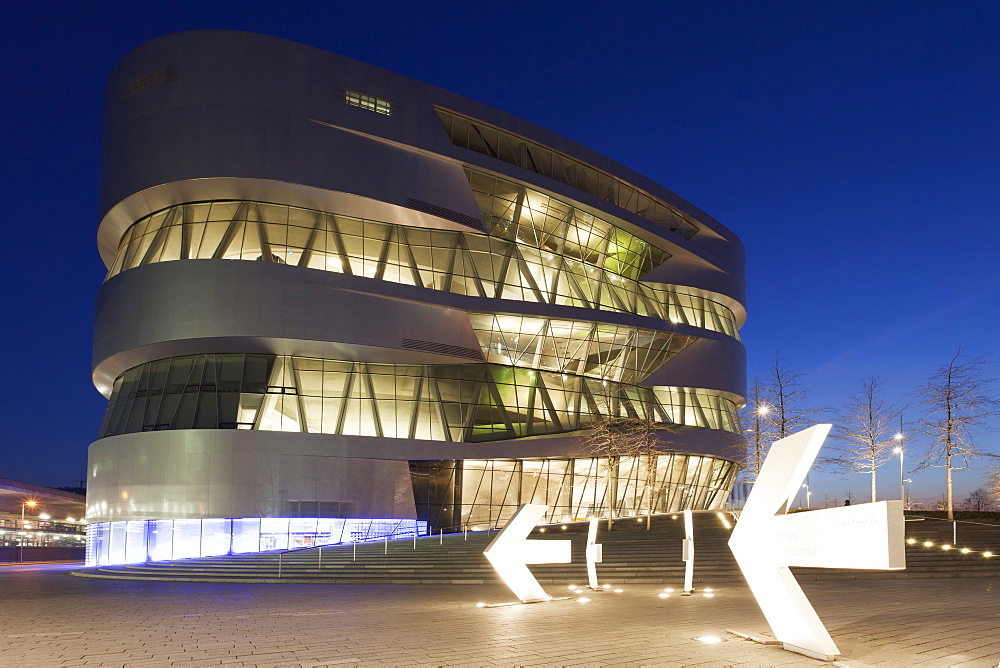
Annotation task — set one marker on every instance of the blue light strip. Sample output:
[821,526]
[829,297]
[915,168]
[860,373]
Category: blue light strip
[138,541]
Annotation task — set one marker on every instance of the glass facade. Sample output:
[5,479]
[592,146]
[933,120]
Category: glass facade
[455,402]
[529,255]
[516,150]
[481,494]
[612,352]
[139,541]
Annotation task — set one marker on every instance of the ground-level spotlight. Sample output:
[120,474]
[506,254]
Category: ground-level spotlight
[987,554]
[966,550]
[928,543]
[618,591]
[911,541]
[663,594]
[606,587]
[583,599]
[669,590]
[946,547]
[709,589]
[709,640]
[480,605]
[708,595]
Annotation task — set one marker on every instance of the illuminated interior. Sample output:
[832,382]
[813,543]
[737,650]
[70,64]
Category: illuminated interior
[489,492]
[456,402]
[529,255]
[138,541]
[495,142]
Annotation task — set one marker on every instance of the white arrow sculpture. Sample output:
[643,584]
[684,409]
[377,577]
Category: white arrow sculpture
[766,542]
[595,553]
[511,550]
[687,552]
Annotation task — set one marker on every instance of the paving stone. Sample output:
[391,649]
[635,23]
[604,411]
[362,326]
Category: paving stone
[50,619]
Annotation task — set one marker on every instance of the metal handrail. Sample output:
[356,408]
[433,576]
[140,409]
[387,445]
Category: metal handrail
[319,555]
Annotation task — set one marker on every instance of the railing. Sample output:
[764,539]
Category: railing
[954,524]
[354,545]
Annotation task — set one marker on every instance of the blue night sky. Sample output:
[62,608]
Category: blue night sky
[851,145]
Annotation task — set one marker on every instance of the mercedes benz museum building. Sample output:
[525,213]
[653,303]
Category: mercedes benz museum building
[342,304]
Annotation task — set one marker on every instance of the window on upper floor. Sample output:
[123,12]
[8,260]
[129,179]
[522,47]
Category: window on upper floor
[369,102]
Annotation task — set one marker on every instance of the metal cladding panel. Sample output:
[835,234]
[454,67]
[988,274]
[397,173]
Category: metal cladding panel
[183,307]
[211,473]
[712,364]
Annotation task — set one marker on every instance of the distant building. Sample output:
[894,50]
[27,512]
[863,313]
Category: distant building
[34,516]
[343,304]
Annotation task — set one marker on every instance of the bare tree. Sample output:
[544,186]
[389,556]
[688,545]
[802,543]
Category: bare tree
[865,422]
[776,410]
[956,399]
[978,499]
[617,437]
[785,392]
[757,431]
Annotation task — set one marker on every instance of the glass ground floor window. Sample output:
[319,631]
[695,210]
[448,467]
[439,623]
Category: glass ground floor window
[139,541]
[482,494]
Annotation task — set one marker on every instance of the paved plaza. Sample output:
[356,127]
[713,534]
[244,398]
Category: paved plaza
[51,619]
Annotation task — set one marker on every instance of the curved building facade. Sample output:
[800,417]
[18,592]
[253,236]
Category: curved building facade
[343,304]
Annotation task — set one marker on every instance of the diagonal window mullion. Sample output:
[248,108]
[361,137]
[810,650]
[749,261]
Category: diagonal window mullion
[310,245]
[415,410]
[265,246]
[235,226]
[450,270]
[404,244]
[345,260]
[522,268]
[439,404]
[543,393]
[369,388]
[161,235]
[345,404]
[383,255]
[502,275]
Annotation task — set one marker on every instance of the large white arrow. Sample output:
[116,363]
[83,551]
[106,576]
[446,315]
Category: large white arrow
[510,551]
[595,553]
[766,542]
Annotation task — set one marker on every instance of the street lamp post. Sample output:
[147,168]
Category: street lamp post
[20,541]
[761,411]
[808,494]
[899,451]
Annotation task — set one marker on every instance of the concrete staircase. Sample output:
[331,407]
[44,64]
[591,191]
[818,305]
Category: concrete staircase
[631,555]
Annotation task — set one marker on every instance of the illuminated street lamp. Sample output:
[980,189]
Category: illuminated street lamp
[20,541]
[30,504]
[808,494]
[762,410]
[899,451]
